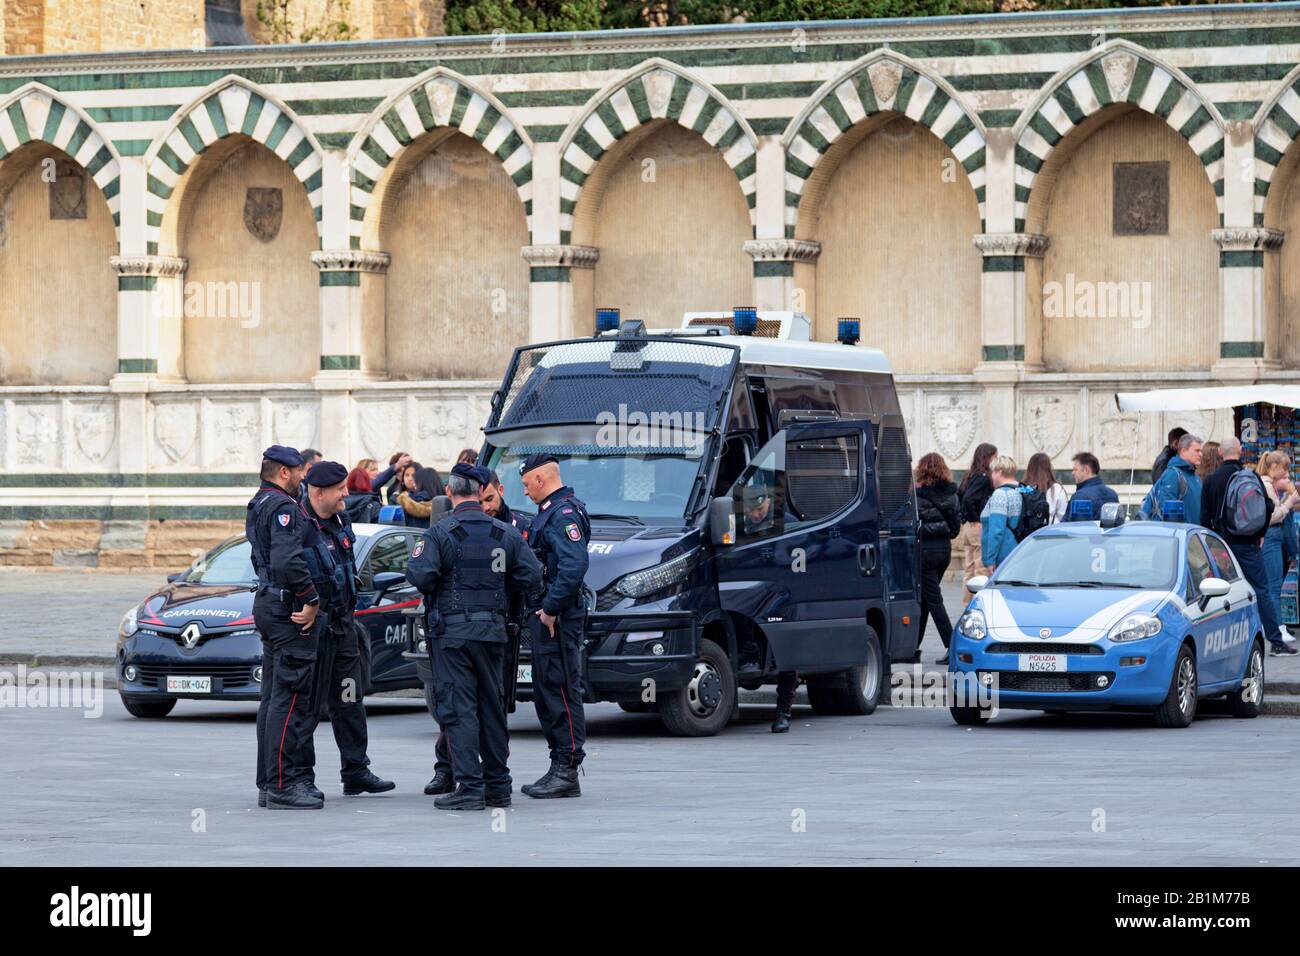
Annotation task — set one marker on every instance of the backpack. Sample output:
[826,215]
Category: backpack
[1035,512]
[1245,509]
[1153,505]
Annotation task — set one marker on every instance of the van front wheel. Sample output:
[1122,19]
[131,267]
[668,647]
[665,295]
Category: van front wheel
[705,705]
[854,692]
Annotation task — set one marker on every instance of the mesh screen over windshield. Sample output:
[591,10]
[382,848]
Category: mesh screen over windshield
[581,381]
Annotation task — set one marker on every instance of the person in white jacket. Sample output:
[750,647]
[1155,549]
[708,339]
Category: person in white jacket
[1039,474]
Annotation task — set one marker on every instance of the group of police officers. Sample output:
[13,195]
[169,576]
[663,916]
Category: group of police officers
[481,568]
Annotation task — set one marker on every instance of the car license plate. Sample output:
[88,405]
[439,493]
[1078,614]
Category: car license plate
[189,685]
[524,675]
[1043,663]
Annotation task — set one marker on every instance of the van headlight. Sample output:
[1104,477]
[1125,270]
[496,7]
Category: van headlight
[972,625]
[1135,627]
[640,583]
[129,623]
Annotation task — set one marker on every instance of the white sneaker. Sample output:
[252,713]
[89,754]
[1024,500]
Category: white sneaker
[1287,636]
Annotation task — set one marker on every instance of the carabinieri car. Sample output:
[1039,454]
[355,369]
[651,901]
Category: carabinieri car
[1085,616]
[195,638]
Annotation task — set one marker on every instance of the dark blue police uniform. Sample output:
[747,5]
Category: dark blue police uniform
[467,565]
[559,535]
[280,532]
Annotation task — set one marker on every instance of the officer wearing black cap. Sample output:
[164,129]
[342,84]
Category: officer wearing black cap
[558,536]
[339,689]
[286,611]
[467,565]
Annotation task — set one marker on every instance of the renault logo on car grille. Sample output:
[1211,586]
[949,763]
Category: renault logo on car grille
[1044,632]
[190,634]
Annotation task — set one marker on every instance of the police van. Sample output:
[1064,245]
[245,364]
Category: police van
[751,506]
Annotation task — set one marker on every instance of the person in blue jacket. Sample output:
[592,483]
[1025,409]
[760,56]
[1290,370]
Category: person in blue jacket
[1179,482]
[1089,489]
[1001,513]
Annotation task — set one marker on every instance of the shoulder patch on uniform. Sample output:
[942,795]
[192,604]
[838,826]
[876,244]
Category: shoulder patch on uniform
[567,511]
[284,519]
[572,531]
[419,549]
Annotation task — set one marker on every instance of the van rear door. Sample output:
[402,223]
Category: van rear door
[806,564]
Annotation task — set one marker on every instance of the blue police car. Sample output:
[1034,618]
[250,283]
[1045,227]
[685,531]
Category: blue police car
[1106,615]
[195,638]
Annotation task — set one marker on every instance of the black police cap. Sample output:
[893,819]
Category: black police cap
[284,455]
[463,469]
[324,474]
[536,461]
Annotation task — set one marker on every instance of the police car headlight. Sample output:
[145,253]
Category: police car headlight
[1135,627]
[972,625]
[640,583]
[129,624]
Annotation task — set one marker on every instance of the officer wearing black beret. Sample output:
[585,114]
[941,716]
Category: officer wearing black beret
[558,536]
[467,565]
[286,611]
[340,682]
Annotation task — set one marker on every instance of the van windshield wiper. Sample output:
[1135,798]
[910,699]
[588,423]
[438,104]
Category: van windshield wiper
[601,516]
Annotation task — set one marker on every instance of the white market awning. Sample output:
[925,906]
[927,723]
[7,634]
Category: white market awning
[1205,399]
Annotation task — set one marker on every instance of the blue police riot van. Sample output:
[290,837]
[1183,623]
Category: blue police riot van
[751,506]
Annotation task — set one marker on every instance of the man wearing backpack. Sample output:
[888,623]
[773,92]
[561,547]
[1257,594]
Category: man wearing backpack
[1179,482]
[1012,513]
[1235,505]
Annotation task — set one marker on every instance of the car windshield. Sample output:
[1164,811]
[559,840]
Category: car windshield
[227,564]
[1091,560]
[651,487]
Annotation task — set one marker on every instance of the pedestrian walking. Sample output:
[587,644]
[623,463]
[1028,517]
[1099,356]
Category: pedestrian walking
[939,514]
[973,492]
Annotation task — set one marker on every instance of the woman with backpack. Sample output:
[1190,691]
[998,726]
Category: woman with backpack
[973,492]
[1274,469]
[1040,476]
[1001,514]
[940,518]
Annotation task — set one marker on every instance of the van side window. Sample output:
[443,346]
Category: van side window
[897,506]
[821,477]
[759,497]
[732,461]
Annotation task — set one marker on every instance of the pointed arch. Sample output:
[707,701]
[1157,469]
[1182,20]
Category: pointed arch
[438,98]
[1116,72]
[654,89]
[231,105]
[879,82]
[1277,126]
[35,112]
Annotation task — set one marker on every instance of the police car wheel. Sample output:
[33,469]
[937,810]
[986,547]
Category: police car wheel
[854,692]
[970,716]
[148,708]
[1179,707]
[1245,701]
[705,705]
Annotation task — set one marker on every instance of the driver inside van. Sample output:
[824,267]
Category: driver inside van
[757,501]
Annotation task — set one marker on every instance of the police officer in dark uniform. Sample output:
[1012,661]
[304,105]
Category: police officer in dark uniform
[286,611]
[467,565]
[558,535]
[339,689]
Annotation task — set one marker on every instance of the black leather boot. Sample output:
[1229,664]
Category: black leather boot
[781,725]
[366,782]
[261,798]
[462,799]
[543,781]
[296,797]
[498,798]
[563,783]
[442,782]
[314,790]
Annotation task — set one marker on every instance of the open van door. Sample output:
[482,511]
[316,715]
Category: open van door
[805,563]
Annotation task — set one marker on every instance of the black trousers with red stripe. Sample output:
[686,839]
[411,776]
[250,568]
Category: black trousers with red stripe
[284,715]
[557,694]
[338,692]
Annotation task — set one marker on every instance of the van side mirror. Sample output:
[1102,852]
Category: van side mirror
[722,521]
[1213,588]
[977,583]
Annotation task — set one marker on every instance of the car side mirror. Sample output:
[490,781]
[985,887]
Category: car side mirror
[722,521]
[386,581]
[1213,588]
[175,576]
[977,583]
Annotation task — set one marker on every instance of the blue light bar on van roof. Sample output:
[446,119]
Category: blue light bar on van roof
[607,320]
[850,330]
[744,319]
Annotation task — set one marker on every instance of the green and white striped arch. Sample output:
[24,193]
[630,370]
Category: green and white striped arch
[231,105]
[882,81]
[655,89]
[439,98]
[1117,72]
[1277,127]
[36,112]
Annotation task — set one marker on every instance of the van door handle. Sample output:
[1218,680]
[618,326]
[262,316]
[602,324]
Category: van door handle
[866,558]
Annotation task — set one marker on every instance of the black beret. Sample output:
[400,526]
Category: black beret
[284,455]
[324,474]
[463,469]
[536,461]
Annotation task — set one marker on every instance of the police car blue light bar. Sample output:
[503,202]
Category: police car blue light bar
[850,330]
[1173,511]
[607,320]
[745,320]
[1081,510]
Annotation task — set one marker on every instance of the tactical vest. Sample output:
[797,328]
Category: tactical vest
[473,587]
[550,560]
[344,555]
[260,509]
